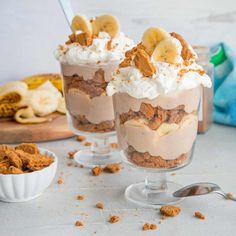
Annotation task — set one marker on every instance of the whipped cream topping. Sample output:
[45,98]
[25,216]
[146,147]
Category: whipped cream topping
[168,78]
[97,52]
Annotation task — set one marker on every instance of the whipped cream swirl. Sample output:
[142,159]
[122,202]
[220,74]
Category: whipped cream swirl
[97,52]
[167,79]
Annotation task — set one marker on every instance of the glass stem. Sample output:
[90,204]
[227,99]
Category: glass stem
[101,145]
[156,182]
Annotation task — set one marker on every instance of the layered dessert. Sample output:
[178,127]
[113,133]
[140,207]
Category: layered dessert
[156,93]
[88,59]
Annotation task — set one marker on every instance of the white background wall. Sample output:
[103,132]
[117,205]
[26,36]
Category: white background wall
[30,30]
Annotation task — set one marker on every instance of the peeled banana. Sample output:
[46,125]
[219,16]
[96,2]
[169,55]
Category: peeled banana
[81,23]
[151,37]
[26,116]
[168,50]
[12,92]
[106,23]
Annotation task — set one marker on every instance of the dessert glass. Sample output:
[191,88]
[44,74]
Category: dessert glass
[156,136]
[90,110]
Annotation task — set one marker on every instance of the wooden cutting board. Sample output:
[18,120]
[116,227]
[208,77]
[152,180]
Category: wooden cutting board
[13,132]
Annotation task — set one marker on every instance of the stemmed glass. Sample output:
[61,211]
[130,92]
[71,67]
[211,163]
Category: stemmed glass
[157,145]
[90,110]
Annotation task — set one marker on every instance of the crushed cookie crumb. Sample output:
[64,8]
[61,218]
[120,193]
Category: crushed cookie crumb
[71,154]
[114,145]
[173,174]
[80,138]
[60,180]
[112,168]
[113,219]
[148,226]
[109,45]
[97,170]
[230,196]
[169,210]
[199,215]
[80,197]
[100,205]
[87,144]
[69,164]
[79,223]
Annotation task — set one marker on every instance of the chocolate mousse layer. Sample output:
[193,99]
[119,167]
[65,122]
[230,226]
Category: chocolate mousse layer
[90,109]
[149,161]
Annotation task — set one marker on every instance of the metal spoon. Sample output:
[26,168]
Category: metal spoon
[202,189]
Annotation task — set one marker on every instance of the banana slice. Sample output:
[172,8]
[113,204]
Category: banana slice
[166,128]
[81,23]
[61,106]
[151,37]
[26,116]
[13,92]
[50,87]
[168,50]
[106,23]
[43,102]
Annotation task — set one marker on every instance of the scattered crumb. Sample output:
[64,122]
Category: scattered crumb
[80,197]
[100,205]
[160,222]
[148,226]
[60,180]
[163,217]
[114,219]
[112,168]
[114,145]
[199,215]
[87,144]
[80,138]
[78,223]
[230,196]
[97,170]
[71,154]
[173,174]
[81,166]
[69,164]
[169,210]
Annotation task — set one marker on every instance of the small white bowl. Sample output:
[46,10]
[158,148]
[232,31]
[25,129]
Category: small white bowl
[25,187]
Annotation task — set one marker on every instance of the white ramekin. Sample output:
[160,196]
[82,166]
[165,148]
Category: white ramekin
[24,187]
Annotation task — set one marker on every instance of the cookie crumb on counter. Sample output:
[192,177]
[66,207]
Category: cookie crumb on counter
[148,226]
[199,215]
[71,154]
[80,197]
[173,174]
[80,138]
[97,170]
[87,144]
[169,210]
[79,223]
[112,168]
[113,219]
[100,205]
[114,145]
[60,180]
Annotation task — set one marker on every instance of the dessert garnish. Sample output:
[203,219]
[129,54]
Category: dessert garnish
[24,158]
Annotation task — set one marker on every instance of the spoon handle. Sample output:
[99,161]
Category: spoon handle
[225,195]
[67,10]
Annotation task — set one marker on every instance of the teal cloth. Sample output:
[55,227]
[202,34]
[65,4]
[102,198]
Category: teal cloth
[224,99]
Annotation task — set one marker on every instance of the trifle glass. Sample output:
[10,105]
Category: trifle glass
[156,100]
[87,63]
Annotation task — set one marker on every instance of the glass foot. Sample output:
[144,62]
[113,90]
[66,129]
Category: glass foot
[139,194]
[88,158]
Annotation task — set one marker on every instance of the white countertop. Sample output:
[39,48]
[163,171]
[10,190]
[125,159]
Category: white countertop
[55,212]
